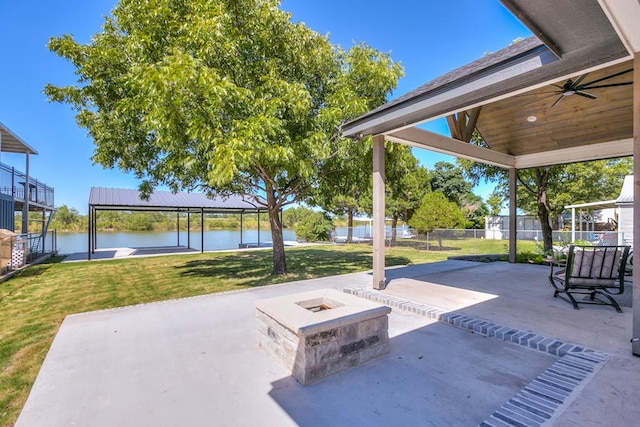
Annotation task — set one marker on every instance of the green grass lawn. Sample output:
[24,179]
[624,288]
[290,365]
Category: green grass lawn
[452,246]
[34,303]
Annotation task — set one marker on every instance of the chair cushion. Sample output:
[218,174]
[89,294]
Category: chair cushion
[596,263]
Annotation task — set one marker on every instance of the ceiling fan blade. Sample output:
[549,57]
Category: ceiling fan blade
[606,77]
[607,85]
[579,80]
[557,101]
[542,98]
[585,94]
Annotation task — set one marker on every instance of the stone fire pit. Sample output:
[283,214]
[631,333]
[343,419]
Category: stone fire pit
[319,333]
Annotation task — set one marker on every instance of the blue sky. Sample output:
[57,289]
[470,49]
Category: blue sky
[429,38]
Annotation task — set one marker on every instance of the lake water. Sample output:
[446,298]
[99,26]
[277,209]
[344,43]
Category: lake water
[213,240]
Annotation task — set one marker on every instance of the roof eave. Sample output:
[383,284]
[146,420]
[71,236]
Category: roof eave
[12,143]
[536,67]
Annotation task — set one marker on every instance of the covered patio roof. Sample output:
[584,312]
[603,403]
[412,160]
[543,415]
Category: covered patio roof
[127,199]
[564,95]
[510,96]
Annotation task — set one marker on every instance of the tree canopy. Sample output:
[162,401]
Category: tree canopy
[436,211]
[449,179]
[225,96]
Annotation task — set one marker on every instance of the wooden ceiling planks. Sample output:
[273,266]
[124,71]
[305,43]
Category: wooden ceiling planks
[508,126]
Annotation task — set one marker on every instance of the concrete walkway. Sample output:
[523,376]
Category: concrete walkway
[195,362]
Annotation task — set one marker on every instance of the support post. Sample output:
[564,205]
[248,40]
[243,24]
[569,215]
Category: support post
[258,227]
[95,230]
[178,227]
[43,230]
[378,212]
[573,225]
[241,216]
[189,229]
[25,205]
[635,341]
[513,218]
[201,230]
[89,232]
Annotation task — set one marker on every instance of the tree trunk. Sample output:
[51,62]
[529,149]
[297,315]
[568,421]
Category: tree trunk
[394,226]
[543,214]
[540,191]
[279,261]
[350,226]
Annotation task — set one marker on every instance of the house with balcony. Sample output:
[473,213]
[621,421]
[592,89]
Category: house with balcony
[26,207]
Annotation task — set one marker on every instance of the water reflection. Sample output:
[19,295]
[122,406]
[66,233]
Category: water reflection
[213,240]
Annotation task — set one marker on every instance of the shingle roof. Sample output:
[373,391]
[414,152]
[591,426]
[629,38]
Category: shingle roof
[126,199]
[483,64]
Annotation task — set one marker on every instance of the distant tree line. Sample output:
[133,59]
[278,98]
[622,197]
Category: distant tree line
[69,220]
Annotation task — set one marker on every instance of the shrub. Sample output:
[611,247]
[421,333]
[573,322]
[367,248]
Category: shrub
[314,227]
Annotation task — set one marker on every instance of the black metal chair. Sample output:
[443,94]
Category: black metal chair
[594,271]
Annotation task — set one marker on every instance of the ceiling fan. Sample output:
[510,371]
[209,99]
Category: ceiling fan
[576,87]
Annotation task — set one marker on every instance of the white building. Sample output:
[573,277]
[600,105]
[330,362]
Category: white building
[618,212]
[497,227]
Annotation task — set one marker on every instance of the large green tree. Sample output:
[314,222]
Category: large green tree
[226,96]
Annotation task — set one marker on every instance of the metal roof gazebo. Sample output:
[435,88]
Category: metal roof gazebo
[118,199]
[564,95]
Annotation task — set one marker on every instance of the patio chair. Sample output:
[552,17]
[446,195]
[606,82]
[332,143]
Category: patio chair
[592,272]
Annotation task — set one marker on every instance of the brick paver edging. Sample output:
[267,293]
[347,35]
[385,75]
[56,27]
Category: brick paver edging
[541,401]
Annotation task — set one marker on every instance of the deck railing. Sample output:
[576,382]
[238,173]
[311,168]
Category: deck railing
[21,249]
[12,183]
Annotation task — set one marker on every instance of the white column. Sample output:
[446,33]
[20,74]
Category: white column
[573,225]
[378,212]
[513,218]
[635,346]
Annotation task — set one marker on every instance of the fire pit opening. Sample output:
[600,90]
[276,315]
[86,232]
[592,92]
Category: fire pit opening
[319,304]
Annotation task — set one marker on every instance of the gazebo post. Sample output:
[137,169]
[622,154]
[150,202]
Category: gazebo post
[513,219]
[378,212]
[189,229]
[89,231]
[178,227]
[201,230]
[94,230]
[635,341]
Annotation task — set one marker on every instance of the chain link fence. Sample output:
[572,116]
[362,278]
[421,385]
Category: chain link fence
[475,241]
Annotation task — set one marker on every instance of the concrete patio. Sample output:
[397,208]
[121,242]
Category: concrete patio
[471,343]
